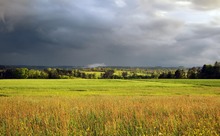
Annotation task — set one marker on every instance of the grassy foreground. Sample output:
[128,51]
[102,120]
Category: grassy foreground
[109,107]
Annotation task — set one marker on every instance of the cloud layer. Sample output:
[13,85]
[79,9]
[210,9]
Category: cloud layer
[113,32]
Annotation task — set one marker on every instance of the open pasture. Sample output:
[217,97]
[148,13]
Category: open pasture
[109,107]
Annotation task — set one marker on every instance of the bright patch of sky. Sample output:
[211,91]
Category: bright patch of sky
[120,3]
[192,16]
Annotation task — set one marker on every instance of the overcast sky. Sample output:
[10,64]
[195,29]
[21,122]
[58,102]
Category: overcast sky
[110,32]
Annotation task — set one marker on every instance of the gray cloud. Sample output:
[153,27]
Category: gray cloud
[132,33]
[206,4]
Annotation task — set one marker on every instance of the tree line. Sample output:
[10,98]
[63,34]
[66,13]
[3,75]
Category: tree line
[205,72]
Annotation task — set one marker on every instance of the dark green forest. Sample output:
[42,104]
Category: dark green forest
[204,72]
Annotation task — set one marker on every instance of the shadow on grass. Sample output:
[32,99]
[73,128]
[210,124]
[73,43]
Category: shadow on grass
[3,95]
[79,90]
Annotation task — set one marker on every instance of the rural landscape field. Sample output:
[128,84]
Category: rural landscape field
[109,68]
[109,107]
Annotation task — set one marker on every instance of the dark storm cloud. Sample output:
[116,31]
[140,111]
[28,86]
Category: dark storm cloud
[198,32]
[110,32]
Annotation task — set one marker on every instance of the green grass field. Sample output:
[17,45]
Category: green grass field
[84,87]
[109,107]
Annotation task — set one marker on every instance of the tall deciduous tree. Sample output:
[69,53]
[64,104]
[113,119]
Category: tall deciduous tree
[180,74]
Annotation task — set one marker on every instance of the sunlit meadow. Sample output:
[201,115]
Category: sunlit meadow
[109,107]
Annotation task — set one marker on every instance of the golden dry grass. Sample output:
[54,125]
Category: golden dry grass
[110,115]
